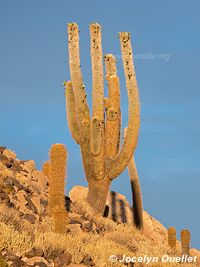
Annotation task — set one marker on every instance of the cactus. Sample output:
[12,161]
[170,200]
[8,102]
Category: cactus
[185,242]
[57,209]
[172,238]
[99,136]
[46,168]
[136,192]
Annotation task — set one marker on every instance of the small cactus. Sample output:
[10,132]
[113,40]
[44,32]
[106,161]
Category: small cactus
[57,209]
[46,168]
[185,242]
[172,238]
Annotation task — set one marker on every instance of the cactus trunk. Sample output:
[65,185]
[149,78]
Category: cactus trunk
[97,194]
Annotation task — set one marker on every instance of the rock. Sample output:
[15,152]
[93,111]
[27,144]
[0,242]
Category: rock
[34,252]
[21,197]
[53,254]
[17,263]
[41,179]
[16,166]
[74,229]
[195,253]
[88,227]
[6,161]
[63,260]
[40,264]
[88,261]
[44,202]
[36,202]
[154,229]
[28,165]
[4,197]
[10,182]
[120,211]
[9,154]
[30,205]
[10,256]
[74,221]
[119,208]
[76,265]
[4,171]
[78,193]
[29,217]
[2,148]
[35,260]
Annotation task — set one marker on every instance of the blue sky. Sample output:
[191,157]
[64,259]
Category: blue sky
[166,42]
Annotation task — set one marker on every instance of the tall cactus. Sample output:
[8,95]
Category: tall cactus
[172,238]
[136,192]
[57,209]
[185,242]
[99,136]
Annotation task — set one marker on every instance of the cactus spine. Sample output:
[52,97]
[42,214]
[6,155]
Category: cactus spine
[185,242]
[172,238]
[98,136]
[57,209]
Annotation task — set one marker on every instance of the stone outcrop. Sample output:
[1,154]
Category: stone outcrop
[23,190]
[119,210]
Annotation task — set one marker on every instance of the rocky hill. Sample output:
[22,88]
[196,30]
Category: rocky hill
[27,238]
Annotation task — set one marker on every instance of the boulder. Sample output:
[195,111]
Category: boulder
[119,210]
[28,165]
[2,148]
[9,154]
[195,253]
[34,252]
[35,260]
[63,259]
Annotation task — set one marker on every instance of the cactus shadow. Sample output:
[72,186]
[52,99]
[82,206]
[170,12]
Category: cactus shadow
[123,211]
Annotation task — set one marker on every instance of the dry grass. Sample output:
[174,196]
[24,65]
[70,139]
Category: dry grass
[100,247]
[117,239]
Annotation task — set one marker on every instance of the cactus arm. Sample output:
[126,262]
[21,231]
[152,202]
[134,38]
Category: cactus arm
[71,111]
[82,110]
[113,113]
[115,167]
[136,194]
[97,123]
[110,62]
